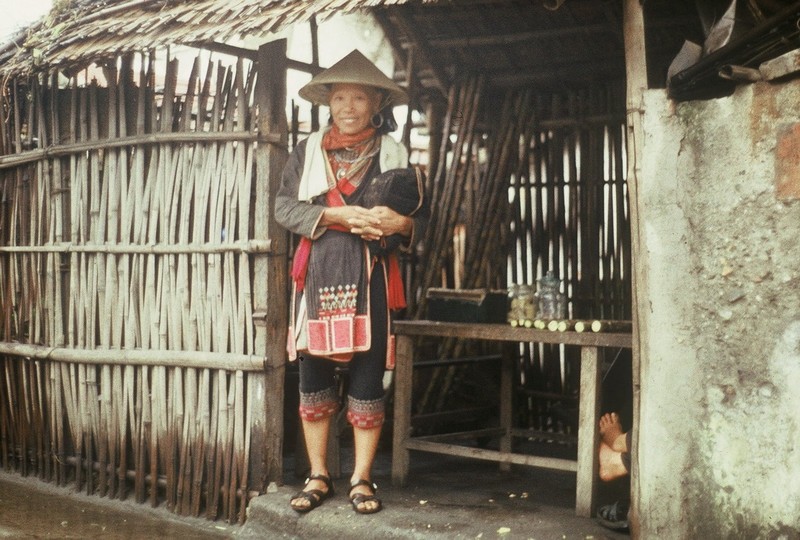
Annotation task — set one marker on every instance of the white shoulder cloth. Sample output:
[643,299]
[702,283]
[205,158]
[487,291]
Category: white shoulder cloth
[314,181]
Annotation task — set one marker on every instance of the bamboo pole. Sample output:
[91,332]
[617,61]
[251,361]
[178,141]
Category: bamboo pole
[636,69]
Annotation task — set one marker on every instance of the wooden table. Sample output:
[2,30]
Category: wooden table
[586,466]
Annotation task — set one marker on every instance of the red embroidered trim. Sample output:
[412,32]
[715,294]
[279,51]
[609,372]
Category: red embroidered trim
[365,414]
[318,405]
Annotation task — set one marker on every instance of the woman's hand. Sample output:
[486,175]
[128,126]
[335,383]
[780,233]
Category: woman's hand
[357,219]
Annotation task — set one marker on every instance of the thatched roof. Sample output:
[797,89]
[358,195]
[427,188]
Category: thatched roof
[542,43]
[79,31]
[511,41]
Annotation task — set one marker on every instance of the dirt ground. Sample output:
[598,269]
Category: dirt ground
[446,498]
[30,508]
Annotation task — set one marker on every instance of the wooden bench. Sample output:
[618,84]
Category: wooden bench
[586,466]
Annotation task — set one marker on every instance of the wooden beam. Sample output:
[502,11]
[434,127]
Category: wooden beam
[519,37]
[555,76]
[400,56]
[492,455]
[239,246]
[250,54]
[269,287]
[423,50]
[136,357]
[30,156]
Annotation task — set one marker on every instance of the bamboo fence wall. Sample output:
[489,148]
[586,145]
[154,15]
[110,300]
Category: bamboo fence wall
[528,182]
[126,309]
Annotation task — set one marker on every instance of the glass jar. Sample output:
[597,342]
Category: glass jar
[552,304]
[513,304]
[521,305]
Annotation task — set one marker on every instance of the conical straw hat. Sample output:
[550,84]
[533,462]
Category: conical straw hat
[354,68]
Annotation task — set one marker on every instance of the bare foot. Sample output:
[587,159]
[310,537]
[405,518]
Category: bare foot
[611,465]
[611,432]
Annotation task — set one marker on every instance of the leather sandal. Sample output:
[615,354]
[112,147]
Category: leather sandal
[361,498]
[315,497]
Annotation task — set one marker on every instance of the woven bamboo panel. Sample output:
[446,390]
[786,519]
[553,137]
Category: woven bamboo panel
[527,182]
[146,245]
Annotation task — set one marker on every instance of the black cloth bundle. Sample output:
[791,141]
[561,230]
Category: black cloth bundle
[402,190]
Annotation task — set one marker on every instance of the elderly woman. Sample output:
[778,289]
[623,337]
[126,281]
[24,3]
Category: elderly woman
[345,272]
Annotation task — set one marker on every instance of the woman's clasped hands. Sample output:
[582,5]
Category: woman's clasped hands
[369,223]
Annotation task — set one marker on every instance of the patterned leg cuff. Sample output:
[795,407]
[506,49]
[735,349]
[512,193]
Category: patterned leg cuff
[365,414]
[319,405]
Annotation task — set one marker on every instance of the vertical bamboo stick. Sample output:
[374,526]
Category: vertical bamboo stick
[158,426]
[91,434]
[78,429]
[143,433]
[212,463]
[202,442]
[241,451]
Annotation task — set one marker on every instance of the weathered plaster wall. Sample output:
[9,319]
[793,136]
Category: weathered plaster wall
[719,292]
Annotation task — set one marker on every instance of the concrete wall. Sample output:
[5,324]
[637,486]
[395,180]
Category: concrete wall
[719,269]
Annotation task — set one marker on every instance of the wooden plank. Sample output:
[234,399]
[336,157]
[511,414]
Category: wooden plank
[589,413]
[504,332]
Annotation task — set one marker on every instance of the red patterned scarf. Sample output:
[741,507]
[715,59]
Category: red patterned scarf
[336,140]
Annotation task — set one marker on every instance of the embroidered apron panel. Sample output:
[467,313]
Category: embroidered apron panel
[337,297]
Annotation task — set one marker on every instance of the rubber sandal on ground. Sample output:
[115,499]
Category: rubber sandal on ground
[359,499]
[614,516]
[315,497]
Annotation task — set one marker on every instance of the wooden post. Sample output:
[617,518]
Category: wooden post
[410,89]
[314,63]
[506,401]
[265,391]
[589,412]
[403,382]
[636,76]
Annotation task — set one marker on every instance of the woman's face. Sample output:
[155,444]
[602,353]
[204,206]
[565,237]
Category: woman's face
[352,107]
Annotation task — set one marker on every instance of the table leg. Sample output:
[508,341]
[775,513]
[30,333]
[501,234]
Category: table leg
[589,412]
[506,403]
[403,379]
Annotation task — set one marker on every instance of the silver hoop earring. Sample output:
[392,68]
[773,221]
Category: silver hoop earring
[378,123]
